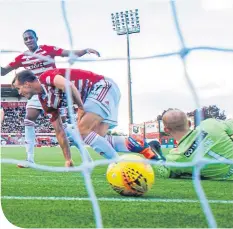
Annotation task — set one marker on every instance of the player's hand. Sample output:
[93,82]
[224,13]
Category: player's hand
[93,51]
[69,163]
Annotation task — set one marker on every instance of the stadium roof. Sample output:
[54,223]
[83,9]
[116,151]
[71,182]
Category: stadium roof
[7,91]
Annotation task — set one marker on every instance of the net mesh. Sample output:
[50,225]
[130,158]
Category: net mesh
[87,166]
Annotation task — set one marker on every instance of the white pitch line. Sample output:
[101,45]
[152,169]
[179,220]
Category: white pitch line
[113,199]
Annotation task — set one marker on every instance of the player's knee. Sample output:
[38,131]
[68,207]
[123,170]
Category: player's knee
[32,114]
[28,122]
[84,128]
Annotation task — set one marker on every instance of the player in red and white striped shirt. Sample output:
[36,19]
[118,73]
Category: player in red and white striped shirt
[97,98]
[37,66]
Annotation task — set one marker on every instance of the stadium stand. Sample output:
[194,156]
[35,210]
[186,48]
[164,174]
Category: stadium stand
[12,129]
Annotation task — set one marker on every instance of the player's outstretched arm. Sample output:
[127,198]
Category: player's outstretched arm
[62,140]
[6,70]
[80,53]
[228,126]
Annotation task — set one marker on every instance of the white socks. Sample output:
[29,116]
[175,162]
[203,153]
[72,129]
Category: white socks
[71,135]
[100,145]
[118,143]
[30,136]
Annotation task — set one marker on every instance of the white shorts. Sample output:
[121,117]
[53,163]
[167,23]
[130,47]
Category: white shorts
[34,102]
[103,100]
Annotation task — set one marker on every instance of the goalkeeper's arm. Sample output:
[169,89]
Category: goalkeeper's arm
[228,125]
[156,148]
[162,171]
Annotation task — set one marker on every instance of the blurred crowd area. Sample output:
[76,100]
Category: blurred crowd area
[14,121]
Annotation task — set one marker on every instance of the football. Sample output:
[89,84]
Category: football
[130,178]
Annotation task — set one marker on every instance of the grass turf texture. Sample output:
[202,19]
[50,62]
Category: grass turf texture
[78,213]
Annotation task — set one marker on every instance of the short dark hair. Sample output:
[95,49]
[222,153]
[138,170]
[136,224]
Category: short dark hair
[24,76]
[30,30]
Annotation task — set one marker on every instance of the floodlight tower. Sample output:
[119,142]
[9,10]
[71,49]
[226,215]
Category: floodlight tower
[126,23]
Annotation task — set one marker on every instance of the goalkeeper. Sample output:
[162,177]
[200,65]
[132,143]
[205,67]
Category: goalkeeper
[213,137]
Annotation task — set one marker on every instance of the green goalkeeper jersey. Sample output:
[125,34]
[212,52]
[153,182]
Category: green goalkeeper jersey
[214,139]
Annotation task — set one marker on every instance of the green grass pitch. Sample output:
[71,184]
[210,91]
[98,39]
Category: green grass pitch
[122,212]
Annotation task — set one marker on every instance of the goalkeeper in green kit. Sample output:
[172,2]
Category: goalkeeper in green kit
[212,137]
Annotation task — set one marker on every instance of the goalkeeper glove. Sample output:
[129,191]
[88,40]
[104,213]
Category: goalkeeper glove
[156,148]
[136,145]
[142,147]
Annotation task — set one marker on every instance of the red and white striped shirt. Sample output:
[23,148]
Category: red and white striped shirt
[52,97]
[36,65]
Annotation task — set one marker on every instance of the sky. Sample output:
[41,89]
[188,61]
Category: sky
[157,84]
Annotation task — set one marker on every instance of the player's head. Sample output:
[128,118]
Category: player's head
[30,39]
[174,121]
[26,83]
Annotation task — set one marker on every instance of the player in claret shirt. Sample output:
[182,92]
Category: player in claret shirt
[97,98]
[37,66]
